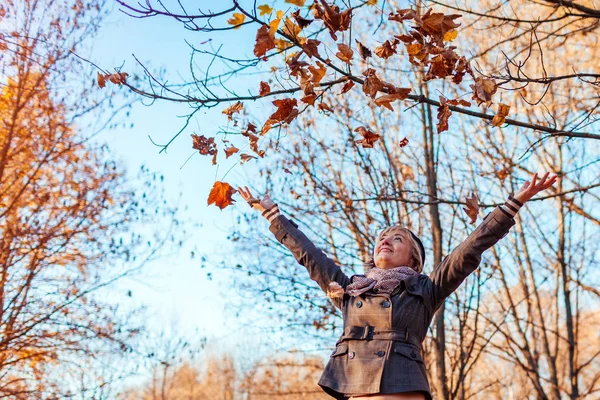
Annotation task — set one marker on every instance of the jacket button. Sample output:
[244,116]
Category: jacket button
[385,304]
[412,287]
[351,355]
[359,304]
[381,353]
[413,355]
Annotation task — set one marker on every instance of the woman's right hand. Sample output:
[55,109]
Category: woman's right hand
[261,205]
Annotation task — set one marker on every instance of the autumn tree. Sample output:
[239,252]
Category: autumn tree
[382,113]
[69,214]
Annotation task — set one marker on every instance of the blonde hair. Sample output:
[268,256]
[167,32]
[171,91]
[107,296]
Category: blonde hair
[416,260]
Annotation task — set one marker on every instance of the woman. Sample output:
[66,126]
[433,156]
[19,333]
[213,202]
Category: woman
[387,311]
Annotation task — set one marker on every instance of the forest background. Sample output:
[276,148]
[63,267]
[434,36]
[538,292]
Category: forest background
[118,281]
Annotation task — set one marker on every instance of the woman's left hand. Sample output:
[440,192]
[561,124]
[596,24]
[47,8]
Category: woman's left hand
[530,189]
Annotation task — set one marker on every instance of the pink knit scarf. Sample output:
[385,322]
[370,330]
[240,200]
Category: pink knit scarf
[379,280]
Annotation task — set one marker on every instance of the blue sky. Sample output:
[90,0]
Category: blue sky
[176,290]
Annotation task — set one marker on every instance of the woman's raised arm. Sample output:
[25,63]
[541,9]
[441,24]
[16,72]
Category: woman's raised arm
[321,268]
[465,258]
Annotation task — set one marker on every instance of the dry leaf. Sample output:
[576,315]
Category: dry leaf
[246,157]
[101,80]
[387,49]
[237,20]
[472,207]
[230,151]
[332,18]
[287,171]
[264,42]
[325,107]
[500,118]
[229,111]
[344,53]
[372,84]
[206,146]
[385,100]
[310,99]
[459,102]
[483,89]
[220,195]
[369,137]
[301,21]
[286,111]
[299,3]
[403,142]
[265,89]
[442,115]
[311,48]
[363,50]
[265,9]
[347,86]
[450,36]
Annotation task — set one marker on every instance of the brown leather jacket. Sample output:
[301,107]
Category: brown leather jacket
[380,348]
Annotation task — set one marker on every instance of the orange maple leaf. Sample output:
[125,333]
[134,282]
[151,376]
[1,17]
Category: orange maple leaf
[235,108]
[386,100]
[344,53]
[264,42]
[220,194]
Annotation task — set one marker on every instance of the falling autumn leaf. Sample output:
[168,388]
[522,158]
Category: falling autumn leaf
[369,137]
[206,146]
[229,151]
[265,9]
[246,157]
[472,207]
[403,142]
[442,115]
[237,19]
[235,108]
[344,53]
[364,51]
[220,194]
[500,118]
[265,89]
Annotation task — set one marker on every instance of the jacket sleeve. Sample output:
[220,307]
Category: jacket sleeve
[321,269]
[465,258]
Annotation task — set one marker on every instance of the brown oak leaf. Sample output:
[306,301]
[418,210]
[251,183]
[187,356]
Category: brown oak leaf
[387,99]
[301,21]
[442,115]
[344,53]
[235,108]
[369,137]
[472,207]
[311,48]
[372,84]
[363,50]
[387,49]
[265,89]
[500,117]
[220,194]
[206,146]
[264,42]
[347,86]
[483,90]
[332,18]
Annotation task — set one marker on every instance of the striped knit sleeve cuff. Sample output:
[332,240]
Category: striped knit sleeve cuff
[511,207]
[271,213]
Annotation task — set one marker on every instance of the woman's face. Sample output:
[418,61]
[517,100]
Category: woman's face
[392,250]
